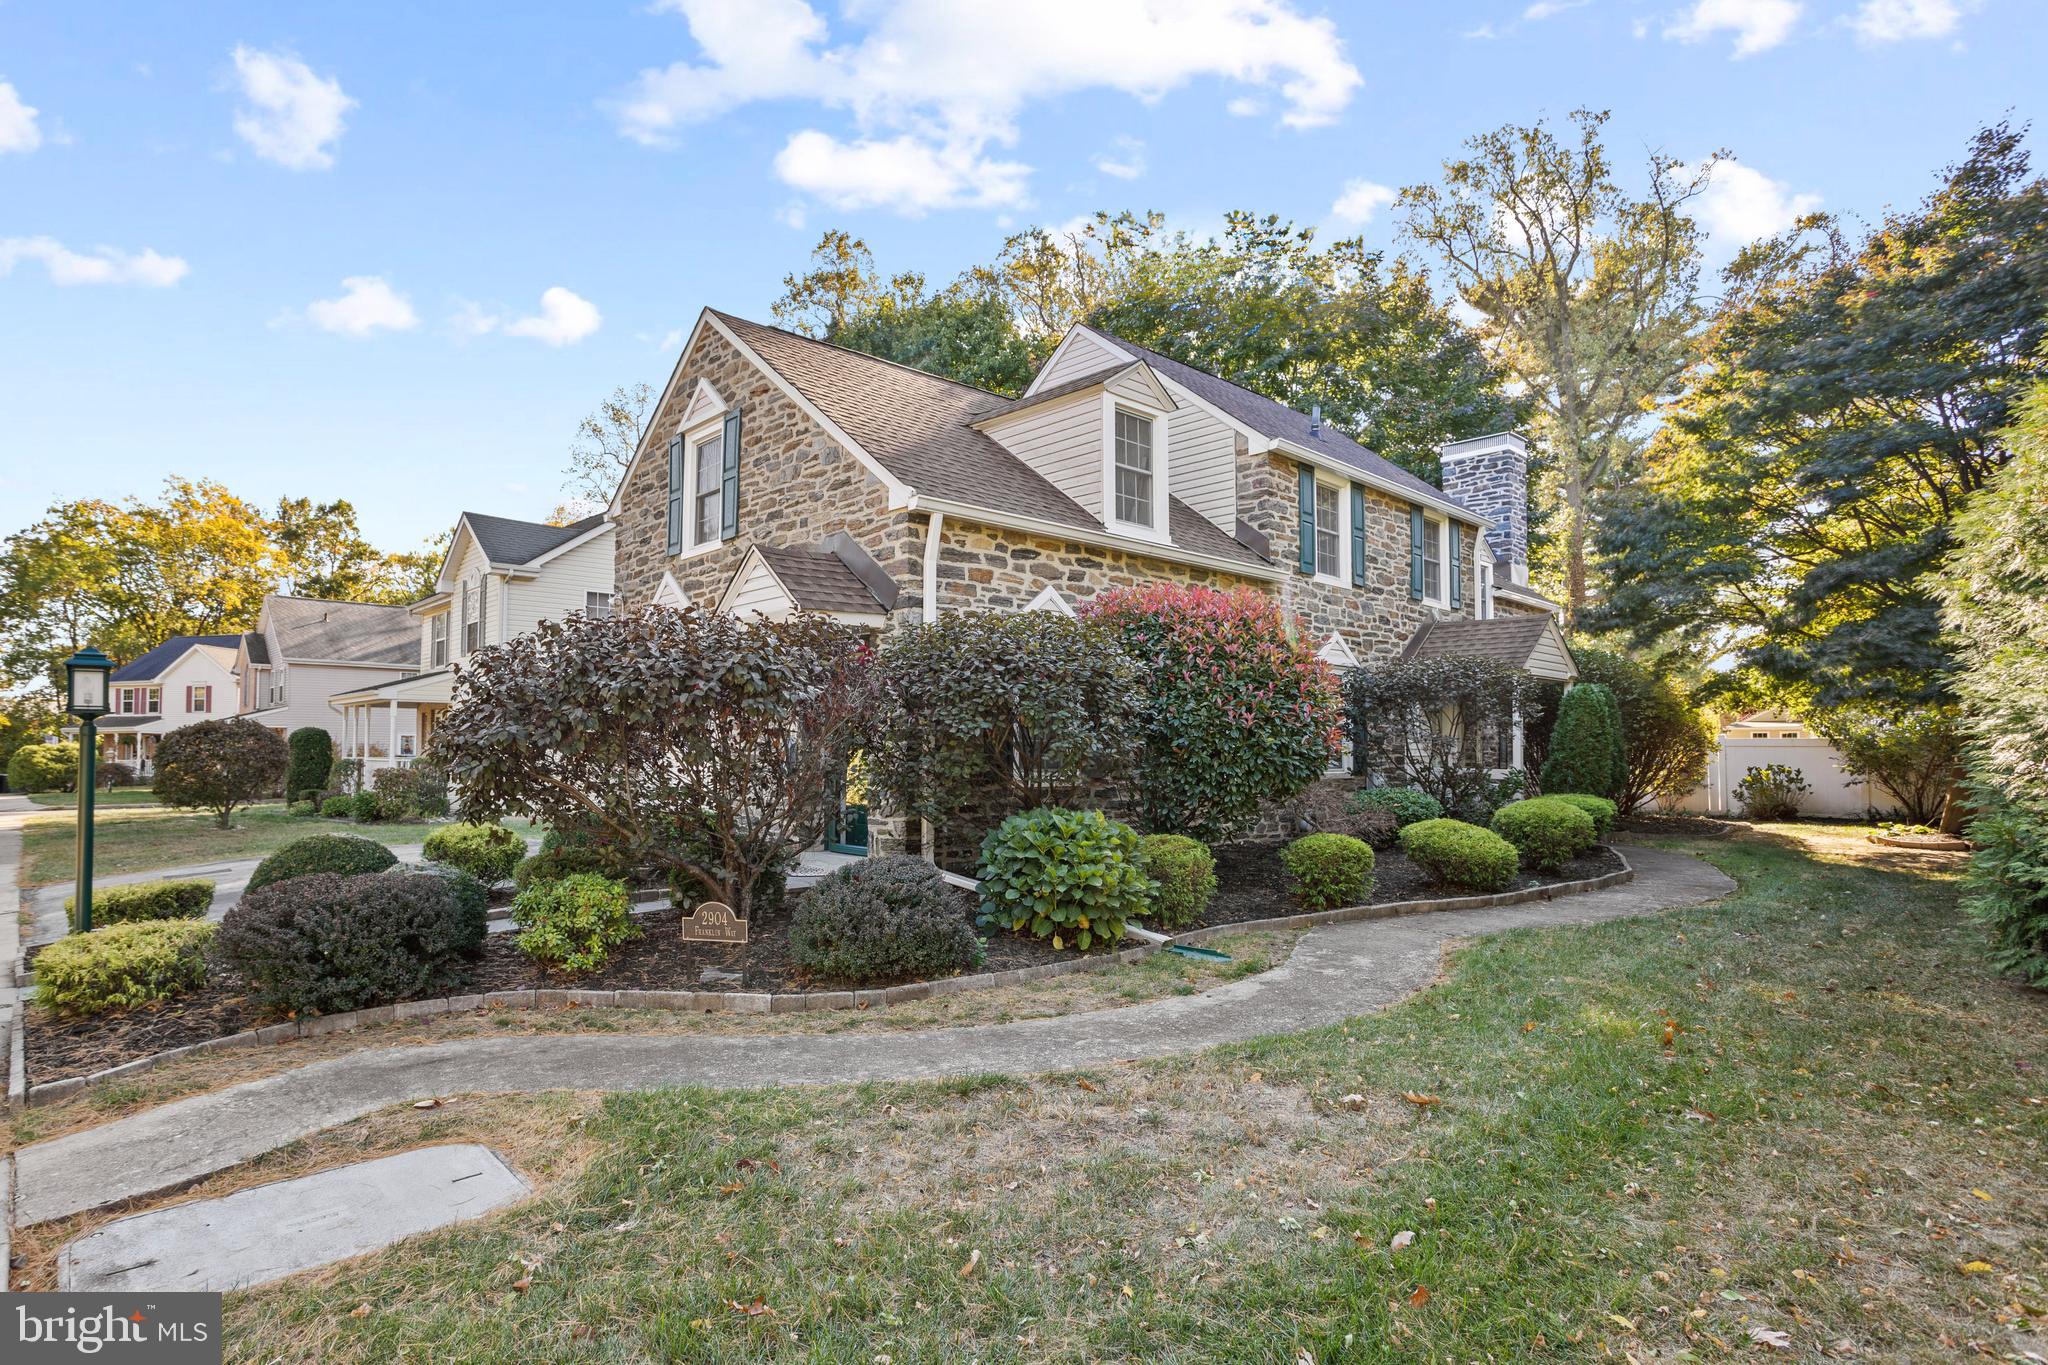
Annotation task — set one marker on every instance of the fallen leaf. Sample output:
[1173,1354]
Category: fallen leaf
[1619,1321]
[1254,1078]
[1976,1267]
[1352,1102]
[427,1104]
[1401,1241]
[758,1308]
[522,1284]
[1419,1297]
[734,1188]
[973,1260]
[361,1310]
[1770,1338]
[1981,1195]
[1086,1084]
[1529,1027]
[1420,1101]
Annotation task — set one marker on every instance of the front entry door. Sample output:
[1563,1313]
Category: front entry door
[848,832]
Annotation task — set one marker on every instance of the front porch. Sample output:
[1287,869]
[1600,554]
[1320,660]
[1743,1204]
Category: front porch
[371,728]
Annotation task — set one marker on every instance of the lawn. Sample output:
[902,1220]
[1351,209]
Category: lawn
[119,796]
[141,839]
[1806,1116]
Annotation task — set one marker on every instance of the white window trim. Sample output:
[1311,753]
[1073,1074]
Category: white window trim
[1161,463]
[1050,599]
[1340,577]
[694,436]
[1483,608]
[1441,528]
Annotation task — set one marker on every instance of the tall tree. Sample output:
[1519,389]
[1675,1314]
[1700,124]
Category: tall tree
[602,450]
[1587,295]
[1853,398]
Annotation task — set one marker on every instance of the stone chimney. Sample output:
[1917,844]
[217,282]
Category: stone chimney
[1490,475]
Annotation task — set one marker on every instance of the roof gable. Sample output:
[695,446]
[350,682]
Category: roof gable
[1530,642]
[152,663]
[310,629]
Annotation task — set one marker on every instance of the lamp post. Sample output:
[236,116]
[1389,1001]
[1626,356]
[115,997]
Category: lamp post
[85,696]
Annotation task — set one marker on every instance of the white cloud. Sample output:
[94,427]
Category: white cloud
[18,131]
[1244,106]
[1741,204]
[1483,33]
[105,265]
[1359,201]
[1546,9]
[1758,25]
[1125,160]
[933,85]
[1893,21]
[564,319]
[367,304]
[292,117]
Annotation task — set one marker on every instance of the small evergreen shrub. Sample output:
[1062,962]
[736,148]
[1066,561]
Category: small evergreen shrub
[1407,805]
[1329,870]
[108,774]
[338,807]
[43,768]
[325,943]
[364,807]
[1600,808]
[305,809]
[1587,753]
[346,855]
[487,852]
[145,901]
[1461,855]
[573,924]
[1772,792]
[412,793]
[881,920]
[123,965]
[312,758]
[553,864]
[1068,875]
[472,897]
[1183,873]
[2006,889]
[1547,831]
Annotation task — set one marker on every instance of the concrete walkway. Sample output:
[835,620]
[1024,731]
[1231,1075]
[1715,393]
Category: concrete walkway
[1334,973]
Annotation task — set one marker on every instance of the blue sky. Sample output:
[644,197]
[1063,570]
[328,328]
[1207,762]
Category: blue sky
[394,252]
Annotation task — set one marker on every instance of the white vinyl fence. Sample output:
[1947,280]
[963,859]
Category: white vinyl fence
[1834,791]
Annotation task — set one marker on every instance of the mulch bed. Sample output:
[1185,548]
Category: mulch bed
[1251,885]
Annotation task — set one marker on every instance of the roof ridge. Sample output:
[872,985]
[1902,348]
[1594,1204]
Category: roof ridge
[864,355]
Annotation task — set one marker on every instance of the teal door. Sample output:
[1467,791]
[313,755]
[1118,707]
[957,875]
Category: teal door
[848,832]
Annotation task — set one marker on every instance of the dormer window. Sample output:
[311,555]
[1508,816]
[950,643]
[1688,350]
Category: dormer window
[1134,496]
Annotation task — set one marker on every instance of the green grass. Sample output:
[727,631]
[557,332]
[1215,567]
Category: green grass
[143,839]
[1846,1121]
[119,796]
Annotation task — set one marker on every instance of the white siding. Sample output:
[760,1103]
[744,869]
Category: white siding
[758,594]
[1548,658]
[308,686]
[1083,355]
[558,587]
[1063,441]
[1203,452]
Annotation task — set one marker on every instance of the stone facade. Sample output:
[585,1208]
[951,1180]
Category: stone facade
[1490,475]
[989,567]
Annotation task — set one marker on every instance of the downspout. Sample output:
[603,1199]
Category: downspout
[927,837]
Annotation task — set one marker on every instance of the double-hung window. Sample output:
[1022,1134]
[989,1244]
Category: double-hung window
[597,605]
[437,641]
[1485,570]
[706,509]
[472,604]
[199,698]
[1134,501]
[1433,559]
[1329,531]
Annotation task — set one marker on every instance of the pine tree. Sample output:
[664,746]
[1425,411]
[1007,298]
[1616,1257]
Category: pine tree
[1586,753]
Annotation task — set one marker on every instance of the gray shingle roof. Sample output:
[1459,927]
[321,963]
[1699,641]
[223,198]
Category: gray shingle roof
[258,647]
[1058,391]
[1277,420]
[152,662]
[506,541]
[349,632]
[1510,639]
[819,580]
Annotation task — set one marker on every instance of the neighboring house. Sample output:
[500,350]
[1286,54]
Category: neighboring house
[500,578]
[185,679]
[779,473]
[1756,739]
[306,652]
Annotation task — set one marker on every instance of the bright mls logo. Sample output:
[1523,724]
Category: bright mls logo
[168,1329]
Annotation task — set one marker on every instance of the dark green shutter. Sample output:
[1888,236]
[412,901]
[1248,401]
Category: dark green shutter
[1457,565]
[1357,535]
[1308,519]
[675,495]
[729,488]
[1415,530]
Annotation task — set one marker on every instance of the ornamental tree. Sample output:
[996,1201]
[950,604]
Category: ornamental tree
[312,758]
[1913,753]
[1236,709]
[219,765]
[1036,707]
[709,745]
[1586,752]
[1423,722]
[1666,739]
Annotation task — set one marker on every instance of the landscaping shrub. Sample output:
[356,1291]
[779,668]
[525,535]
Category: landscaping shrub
[311,760]
[346,776]
[1547,831]
[305,808]
[2006,888]
[1912,752]
[1666,739]
[338,807]
[108,774]
[1461,855]
[325,943]
[1328,808]
[1586,750]
[553,864]
[881,920]
[696,843]
[1183,873]
[409,793]
[1329,870]
[363,806]
[471,895]
[1772,792]
[43,768]
[219,765]
[573,924]
[1436,723]
[123,965]
[1069,875]
[1407,805]
[346,855]
[145,901]
[487,852]
[1237,709]
[1482,799]
[1600,808]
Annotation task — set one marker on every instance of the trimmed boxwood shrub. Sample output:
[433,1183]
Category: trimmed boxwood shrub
[145,901]
[346,855]
[1329,870]
[43,768]
[553,864]
[487,852]
[471,895]
[1548,832]
[1068,875]
[1408,805]
[122,965]
[573,924]
[1600,808]
[305,809]
[881,920]
[312,757]
[338,807]
[1183,873]
[1461,855]
[324,943]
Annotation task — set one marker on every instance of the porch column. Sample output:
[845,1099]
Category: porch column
[1516,721]
[391,752]
[347,732]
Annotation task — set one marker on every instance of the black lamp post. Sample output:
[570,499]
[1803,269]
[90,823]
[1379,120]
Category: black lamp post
[85,696]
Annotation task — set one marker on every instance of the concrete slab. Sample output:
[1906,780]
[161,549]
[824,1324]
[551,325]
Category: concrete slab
[262,1234]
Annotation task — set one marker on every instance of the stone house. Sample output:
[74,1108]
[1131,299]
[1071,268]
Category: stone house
[779,473]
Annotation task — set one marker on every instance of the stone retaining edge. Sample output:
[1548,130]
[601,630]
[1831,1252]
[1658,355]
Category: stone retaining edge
[761,1002]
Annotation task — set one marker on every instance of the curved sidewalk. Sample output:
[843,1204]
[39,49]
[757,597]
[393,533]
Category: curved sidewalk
[1335,973]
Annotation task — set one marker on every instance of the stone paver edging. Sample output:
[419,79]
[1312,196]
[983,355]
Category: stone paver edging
[1336,972]
[786,1002]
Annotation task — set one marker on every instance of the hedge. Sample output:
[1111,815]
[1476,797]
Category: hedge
[141,901]
[882,920]
[123,965]
[1461,855]
[347,855]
